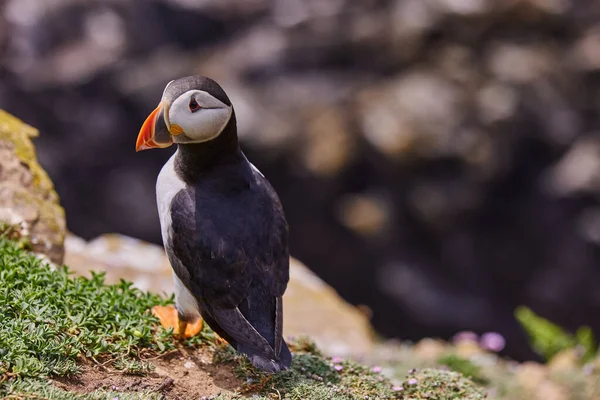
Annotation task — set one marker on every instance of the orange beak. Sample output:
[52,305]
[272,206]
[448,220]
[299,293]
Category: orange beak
[147,138]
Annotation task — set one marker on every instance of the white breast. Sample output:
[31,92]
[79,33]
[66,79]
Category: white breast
[168,185]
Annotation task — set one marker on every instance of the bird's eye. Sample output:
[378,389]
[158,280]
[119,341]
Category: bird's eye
[194,106]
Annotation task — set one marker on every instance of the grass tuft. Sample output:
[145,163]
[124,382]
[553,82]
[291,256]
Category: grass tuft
[311,376]
[50,318]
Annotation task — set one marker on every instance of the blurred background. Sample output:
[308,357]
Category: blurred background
[438,160]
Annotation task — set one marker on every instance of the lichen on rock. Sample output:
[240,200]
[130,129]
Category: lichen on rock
[27,195]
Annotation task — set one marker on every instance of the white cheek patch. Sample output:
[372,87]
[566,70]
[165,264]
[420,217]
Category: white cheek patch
[202,125]
[209,123]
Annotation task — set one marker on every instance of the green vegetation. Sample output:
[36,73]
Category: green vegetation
[15,235]
[549,339]
[51,320]
[312,377]
[464,366]
[37,389]
[440,385]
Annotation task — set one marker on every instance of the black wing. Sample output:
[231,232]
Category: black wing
[276,262]
[210,266]
[232,253]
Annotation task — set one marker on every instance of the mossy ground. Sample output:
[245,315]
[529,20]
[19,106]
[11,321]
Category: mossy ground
[312,376]
[440,385]
[53,322]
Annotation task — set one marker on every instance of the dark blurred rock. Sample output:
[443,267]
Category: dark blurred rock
[437,159]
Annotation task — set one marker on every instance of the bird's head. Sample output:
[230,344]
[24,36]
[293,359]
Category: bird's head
[193,109]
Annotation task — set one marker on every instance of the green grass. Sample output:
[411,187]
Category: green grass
[49,318]
[312,376]
[464,366]
[41,390]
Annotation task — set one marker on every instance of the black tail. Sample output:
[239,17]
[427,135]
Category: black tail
[246,339]
[266,364]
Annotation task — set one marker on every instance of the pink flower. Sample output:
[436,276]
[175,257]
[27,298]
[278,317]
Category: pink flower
[336,360]
[338,368]
[397,388]
[412,381]
[376,369]
[492,341]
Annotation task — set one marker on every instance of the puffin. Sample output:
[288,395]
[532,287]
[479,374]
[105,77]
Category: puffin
[223,227]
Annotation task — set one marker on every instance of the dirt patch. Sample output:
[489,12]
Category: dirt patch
[185,374]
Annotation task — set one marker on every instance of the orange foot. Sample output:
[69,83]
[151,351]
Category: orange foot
[168,318]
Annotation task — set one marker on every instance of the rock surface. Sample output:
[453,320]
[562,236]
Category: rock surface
[311,307]
[27,196]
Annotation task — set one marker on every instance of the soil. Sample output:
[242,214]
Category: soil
[181,375]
